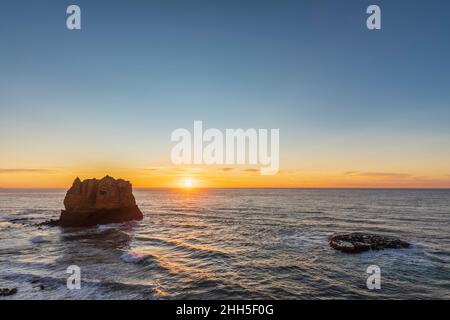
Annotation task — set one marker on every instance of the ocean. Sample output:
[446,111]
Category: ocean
[230,244]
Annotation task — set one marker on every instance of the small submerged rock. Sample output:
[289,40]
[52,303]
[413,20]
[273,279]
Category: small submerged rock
[37,285]
[4,292]
[39,239]
[359,242]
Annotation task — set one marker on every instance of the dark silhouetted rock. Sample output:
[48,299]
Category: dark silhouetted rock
[4,292]
[92,202]
[359,242]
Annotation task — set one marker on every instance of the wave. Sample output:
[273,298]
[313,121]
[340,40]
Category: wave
[33,286]
[194,250]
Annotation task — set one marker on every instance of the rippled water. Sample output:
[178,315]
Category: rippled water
[232,243]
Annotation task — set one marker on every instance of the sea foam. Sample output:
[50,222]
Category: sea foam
[133,256]
[106,227]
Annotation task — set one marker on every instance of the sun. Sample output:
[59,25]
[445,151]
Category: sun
[188,183]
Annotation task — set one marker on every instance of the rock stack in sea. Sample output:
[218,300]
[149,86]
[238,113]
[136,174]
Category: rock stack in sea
[92,202]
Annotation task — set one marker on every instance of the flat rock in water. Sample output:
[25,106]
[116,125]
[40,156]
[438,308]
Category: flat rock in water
[359,242]
[4,292]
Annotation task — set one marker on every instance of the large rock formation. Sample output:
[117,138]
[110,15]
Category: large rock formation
[359,242]
[92,202]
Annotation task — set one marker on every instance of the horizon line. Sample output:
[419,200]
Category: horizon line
[281,188]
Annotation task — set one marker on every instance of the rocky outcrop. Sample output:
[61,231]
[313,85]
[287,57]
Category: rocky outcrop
[359,242]
[92,202]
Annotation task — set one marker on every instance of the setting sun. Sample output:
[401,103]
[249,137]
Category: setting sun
[187,183]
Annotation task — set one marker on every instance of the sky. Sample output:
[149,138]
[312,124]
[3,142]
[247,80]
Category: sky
[355,107]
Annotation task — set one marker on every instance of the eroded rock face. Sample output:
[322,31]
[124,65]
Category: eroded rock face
[359,242]
[91,202]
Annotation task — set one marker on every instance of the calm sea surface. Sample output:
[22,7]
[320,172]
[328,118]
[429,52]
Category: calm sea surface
[230,244]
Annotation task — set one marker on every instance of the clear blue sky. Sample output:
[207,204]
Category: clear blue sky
[139,69]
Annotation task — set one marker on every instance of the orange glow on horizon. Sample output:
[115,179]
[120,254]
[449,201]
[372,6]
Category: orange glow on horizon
[236,177]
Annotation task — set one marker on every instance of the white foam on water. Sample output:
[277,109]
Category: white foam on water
[106,227]
[133,256]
